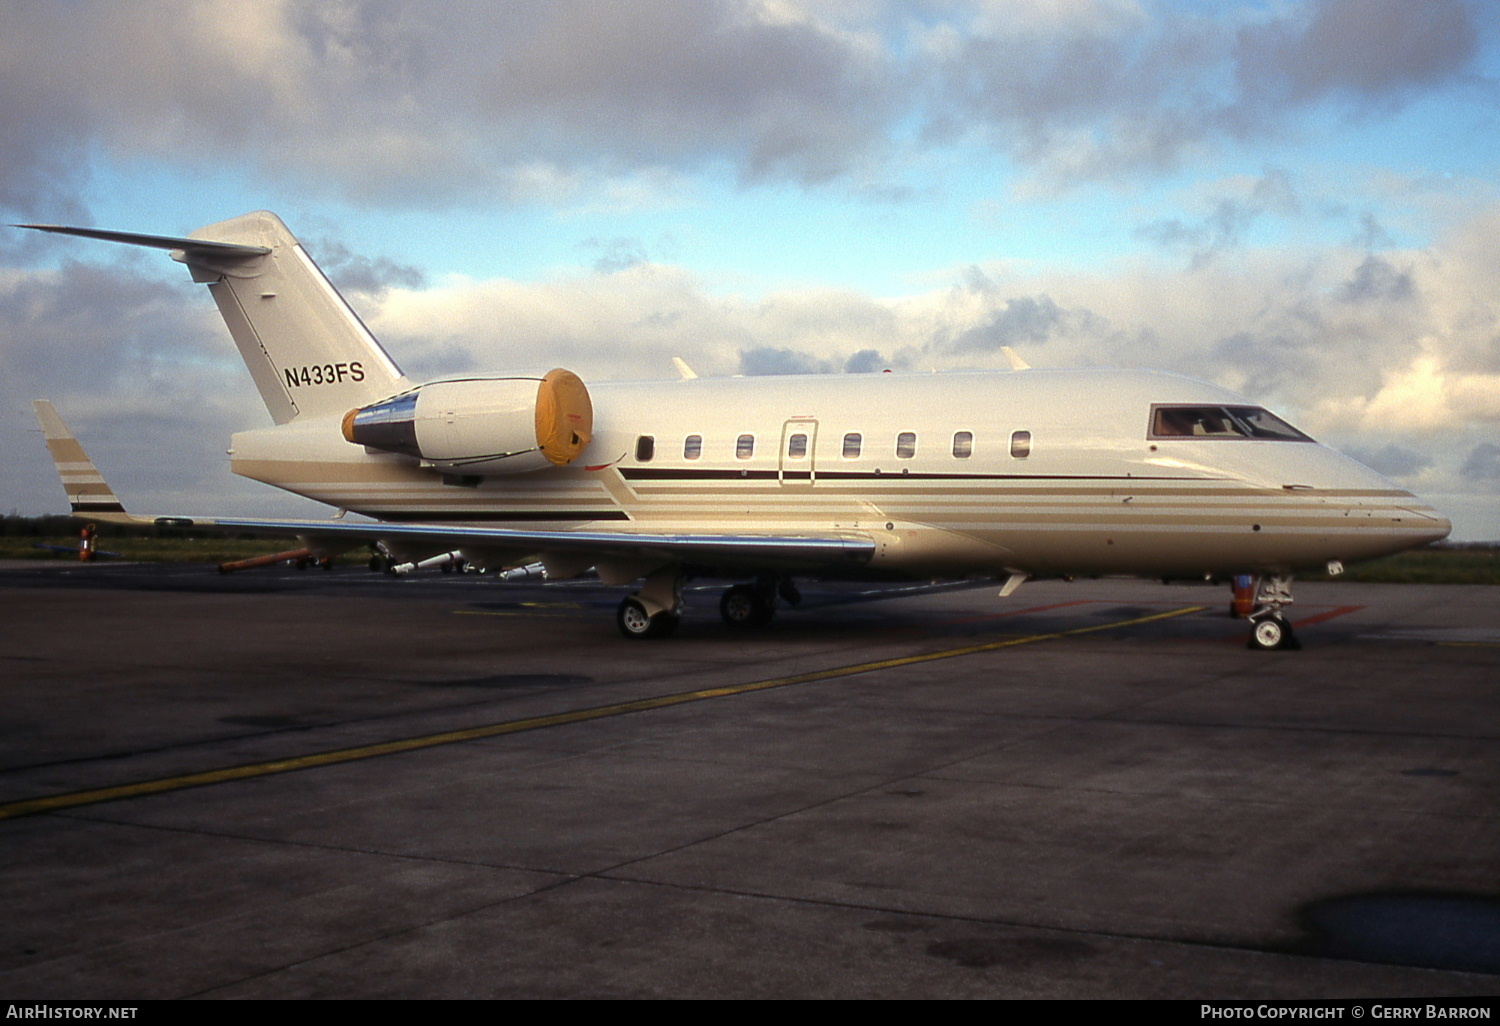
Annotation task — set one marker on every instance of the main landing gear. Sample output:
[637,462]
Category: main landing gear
[656,610]
[753,605]
[636,623]
[1269,627]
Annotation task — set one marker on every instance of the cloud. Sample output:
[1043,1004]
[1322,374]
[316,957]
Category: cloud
[1483,463]
[677,82]
[1374,51]
[1392,460]
[143,371]
[768,360]
[1023,319]
[106,333]
[470,102]
[353,272]
[1376,280]
[411,103]
[866,361]
[616,254]
[1341,340]
[1102,90]
[1237,207]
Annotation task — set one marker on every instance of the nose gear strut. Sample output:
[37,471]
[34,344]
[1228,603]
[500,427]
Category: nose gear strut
[1269,627]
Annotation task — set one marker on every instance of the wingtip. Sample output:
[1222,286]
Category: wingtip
[88,493]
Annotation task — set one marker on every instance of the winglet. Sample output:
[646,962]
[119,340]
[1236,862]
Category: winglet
[87,492]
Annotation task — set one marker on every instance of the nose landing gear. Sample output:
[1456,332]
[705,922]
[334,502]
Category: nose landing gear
[1272,631]
[1269,628]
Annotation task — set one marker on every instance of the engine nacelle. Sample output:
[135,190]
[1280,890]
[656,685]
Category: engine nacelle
[482,425]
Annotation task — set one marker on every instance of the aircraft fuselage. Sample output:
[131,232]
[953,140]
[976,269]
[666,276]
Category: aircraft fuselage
[1044,471]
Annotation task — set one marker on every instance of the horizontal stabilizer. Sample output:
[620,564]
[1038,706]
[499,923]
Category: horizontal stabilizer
[223,250]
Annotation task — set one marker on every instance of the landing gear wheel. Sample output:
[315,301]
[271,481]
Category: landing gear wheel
[635,623]
[744,606]
[1272,632]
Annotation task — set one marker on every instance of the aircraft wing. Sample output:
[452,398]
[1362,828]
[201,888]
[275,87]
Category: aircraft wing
[627,550]
[615,545]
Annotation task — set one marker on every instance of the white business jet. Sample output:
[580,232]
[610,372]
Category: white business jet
[1004,474]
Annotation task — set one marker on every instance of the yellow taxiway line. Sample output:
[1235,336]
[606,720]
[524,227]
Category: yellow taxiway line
[52,803]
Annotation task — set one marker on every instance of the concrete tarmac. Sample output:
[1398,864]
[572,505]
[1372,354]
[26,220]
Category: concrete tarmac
[283,784]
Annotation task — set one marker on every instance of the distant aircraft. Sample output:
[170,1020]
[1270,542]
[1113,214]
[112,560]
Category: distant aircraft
[1003,474]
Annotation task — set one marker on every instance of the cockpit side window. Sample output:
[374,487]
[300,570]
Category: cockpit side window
[1263,424]
[1221,422]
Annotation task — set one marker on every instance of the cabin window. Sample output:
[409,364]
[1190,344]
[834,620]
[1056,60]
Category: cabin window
[906,445]
[852,443]
[1020,444]
[796,446]
[645,448]
[963,445]
[692,447]
[744,447]
[1222,422]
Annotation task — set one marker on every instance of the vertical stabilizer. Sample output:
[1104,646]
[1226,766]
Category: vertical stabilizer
[309,354]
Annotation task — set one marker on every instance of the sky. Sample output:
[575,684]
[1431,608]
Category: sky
[1297,199]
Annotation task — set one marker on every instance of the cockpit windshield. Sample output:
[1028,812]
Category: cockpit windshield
[1221,422]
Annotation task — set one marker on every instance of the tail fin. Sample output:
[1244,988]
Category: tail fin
[309,353]
[87,492]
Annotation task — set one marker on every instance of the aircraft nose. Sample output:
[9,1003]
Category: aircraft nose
[1433,526]
[1368,498]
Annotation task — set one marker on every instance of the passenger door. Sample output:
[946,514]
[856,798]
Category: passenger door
[796,466]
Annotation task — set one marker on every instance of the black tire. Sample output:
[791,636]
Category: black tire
[637,625]
[745,606]
[1270,632]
